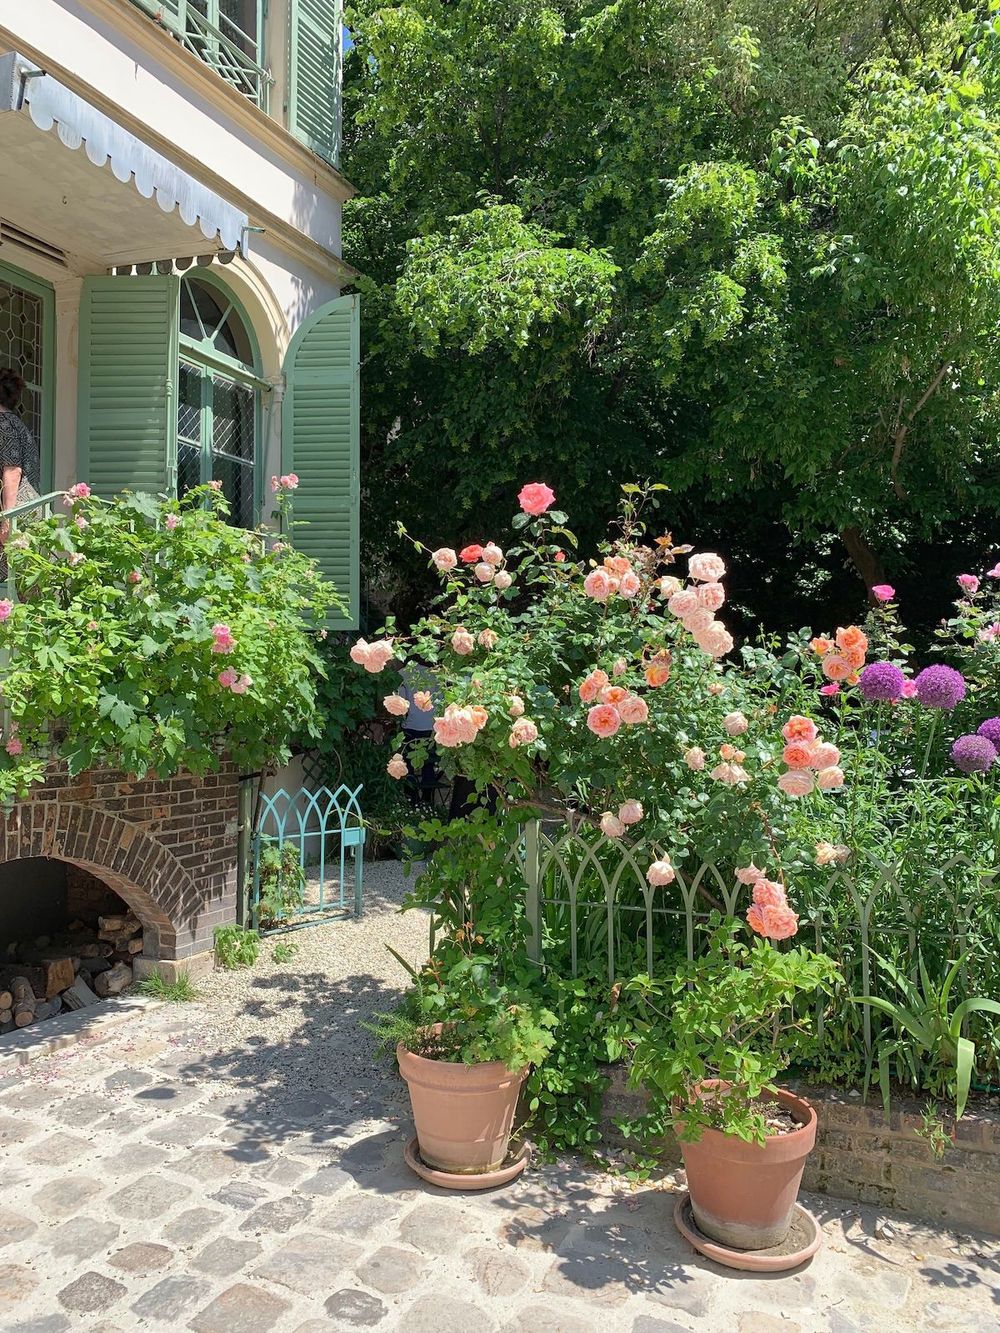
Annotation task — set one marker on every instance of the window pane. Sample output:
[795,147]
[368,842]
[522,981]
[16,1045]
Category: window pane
[233,418]
[237,487]
[188,468]
[21,349]
[189,405]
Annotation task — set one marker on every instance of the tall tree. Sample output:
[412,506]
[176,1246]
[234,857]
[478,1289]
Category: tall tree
[748,250]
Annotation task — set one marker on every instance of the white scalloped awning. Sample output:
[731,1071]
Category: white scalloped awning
[166,214]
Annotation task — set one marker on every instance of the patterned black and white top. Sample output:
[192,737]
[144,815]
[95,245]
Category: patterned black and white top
[18,448]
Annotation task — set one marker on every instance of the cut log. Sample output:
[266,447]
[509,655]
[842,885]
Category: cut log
[111,926]
[95,949]
[136,945]
[114,981]
[90,967]
[34,976]
[23,1017]
[79,995]
[6,1015]
[59,973]
[48,1009]
[6,999]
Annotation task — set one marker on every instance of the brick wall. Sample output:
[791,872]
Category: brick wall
[859,1156]
[168,848]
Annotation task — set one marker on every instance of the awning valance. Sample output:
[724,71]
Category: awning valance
[166,213]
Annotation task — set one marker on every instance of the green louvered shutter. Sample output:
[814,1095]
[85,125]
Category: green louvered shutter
[314,75]
[320,441]
[128,384]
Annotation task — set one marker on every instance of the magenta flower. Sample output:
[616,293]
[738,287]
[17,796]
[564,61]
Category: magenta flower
[228,678]
[969,584]
[883,592]
[974,754]
[170,522]
[994,573]
[223,640]
[6,607]
[882,681]
[991,730]
[830,690]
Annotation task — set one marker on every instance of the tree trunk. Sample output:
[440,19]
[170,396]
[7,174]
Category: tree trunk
[865,559]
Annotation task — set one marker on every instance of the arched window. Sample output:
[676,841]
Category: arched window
[220,398]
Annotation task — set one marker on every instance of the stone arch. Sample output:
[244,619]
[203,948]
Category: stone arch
[144,873]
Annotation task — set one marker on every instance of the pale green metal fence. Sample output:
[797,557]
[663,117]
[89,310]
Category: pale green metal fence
[589,908]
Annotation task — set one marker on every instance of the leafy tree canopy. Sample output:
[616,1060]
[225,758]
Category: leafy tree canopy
[746,249]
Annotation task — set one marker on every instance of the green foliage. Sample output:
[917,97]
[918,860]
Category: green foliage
[746,248]
[157,987]
[282,884]
[112,657]
[236,947]
[929,1049]
[284,951]
[727,1016]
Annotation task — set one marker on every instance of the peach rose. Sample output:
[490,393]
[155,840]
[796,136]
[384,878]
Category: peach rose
[630,585]
[829,779]
[614,694]
[633,710]
[592,686]
[774,923]
[735,724]
[502,580]
[668,585]
[396,705]
[852,640]
[523,732]
[661,872]
[716,640]
[515,706]
[484,572]
[657,674]
[796,782]
[695,758]
[697,621]
[820,646]
[706,568]
[798,754]
[611,827]
[711,596]
[396,767]
[799,728]
[836,667]
[682,603]
[768,894]
[728,752]
[488,638]
[604,720]
[824,755]
[748,875]
[597,585]
[462,641]
[492,554]
[730,775]
[620,667]
[423,700]
[630,812]
[445,559]
[618,564]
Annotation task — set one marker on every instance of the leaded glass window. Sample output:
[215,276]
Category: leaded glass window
[220,399]
[22,348]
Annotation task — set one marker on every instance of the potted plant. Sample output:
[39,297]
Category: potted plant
[714,1038]
[465,1042]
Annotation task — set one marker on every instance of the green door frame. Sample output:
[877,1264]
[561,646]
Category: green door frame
[17,277]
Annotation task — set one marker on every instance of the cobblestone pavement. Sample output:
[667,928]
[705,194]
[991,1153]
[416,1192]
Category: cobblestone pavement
[151,1179]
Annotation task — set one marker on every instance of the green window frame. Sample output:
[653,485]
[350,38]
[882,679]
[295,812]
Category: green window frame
[42,387]
[221,397]
[228,35]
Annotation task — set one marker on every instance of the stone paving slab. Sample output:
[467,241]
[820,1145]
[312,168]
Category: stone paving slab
[156,1179]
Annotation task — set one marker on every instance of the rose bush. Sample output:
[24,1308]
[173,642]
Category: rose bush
[153,635]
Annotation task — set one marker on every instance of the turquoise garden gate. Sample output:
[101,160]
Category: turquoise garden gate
[317,838]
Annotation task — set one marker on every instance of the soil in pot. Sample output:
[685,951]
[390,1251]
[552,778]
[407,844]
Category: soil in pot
[743,1194]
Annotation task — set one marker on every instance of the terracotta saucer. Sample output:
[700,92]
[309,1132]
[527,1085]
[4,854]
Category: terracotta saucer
[803,1240]
[451,1180]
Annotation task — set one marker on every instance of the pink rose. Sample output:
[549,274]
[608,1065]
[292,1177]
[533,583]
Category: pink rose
[774,923]
[222,639]
[698,621]
[706,568]
[423,700]
[6,607]
[610,826]
[535,498]
[483,572]
[730,775]
[968,583]
[633,710]
[883,592]
[469,555]
[711,596]
[668,585]
[799,728]
[734,724]
[597,585]
[396,767]
[228,678]
[682,603]
[604,720]
[492,554]
[379,656]
[909,690]
[824,755]
[989,632]
[134,576]
[829,779]
[620,667]
[797,782]
[830,689]
[749,875]
[14,747]
[242,685]
[488,638]
[630,585]
[661,872]
[462,641]
[502,581]
[82,523]
[768,894]
[523,732]
[444,559]
[630,812]
[396,705]
[516,706]
[716,640]
[360,651]
[170,522]
[695,758]
[994,573]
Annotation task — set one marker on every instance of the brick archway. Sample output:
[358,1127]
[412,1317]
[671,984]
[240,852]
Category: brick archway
[168,848]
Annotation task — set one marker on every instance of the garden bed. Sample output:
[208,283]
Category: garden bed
[859,1156]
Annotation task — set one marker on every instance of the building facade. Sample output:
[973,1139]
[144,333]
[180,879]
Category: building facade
[170,260]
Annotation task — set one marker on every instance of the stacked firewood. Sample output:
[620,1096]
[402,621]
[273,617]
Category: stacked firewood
[55,974]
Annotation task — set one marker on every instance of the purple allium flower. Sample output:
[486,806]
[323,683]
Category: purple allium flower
[974,754]
[991,730]
[881,680]
[940,687]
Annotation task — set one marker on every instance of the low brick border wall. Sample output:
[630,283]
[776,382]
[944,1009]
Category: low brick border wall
[861,1157]
[167,847]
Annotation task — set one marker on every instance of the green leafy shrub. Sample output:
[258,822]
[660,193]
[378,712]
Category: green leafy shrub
[152,634]
[282,884]
[236,947]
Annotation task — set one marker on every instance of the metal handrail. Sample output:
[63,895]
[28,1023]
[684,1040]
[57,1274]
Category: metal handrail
[215,48]
[10,516]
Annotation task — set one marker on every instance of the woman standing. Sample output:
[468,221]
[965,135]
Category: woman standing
[19,462]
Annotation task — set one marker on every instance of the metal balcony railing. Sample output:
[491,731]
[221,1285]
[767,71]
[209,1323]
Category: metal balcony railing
[204,28]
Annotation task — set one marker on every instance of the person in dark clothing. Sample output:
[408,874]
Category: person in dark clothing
[19,461]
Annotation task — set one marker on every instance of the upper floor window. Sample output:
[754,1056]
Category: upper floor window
[226,34]
[220,399]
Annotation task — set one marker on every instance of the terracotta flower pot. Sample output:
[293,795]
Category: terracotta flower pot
[463,1114]
[743,1194]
